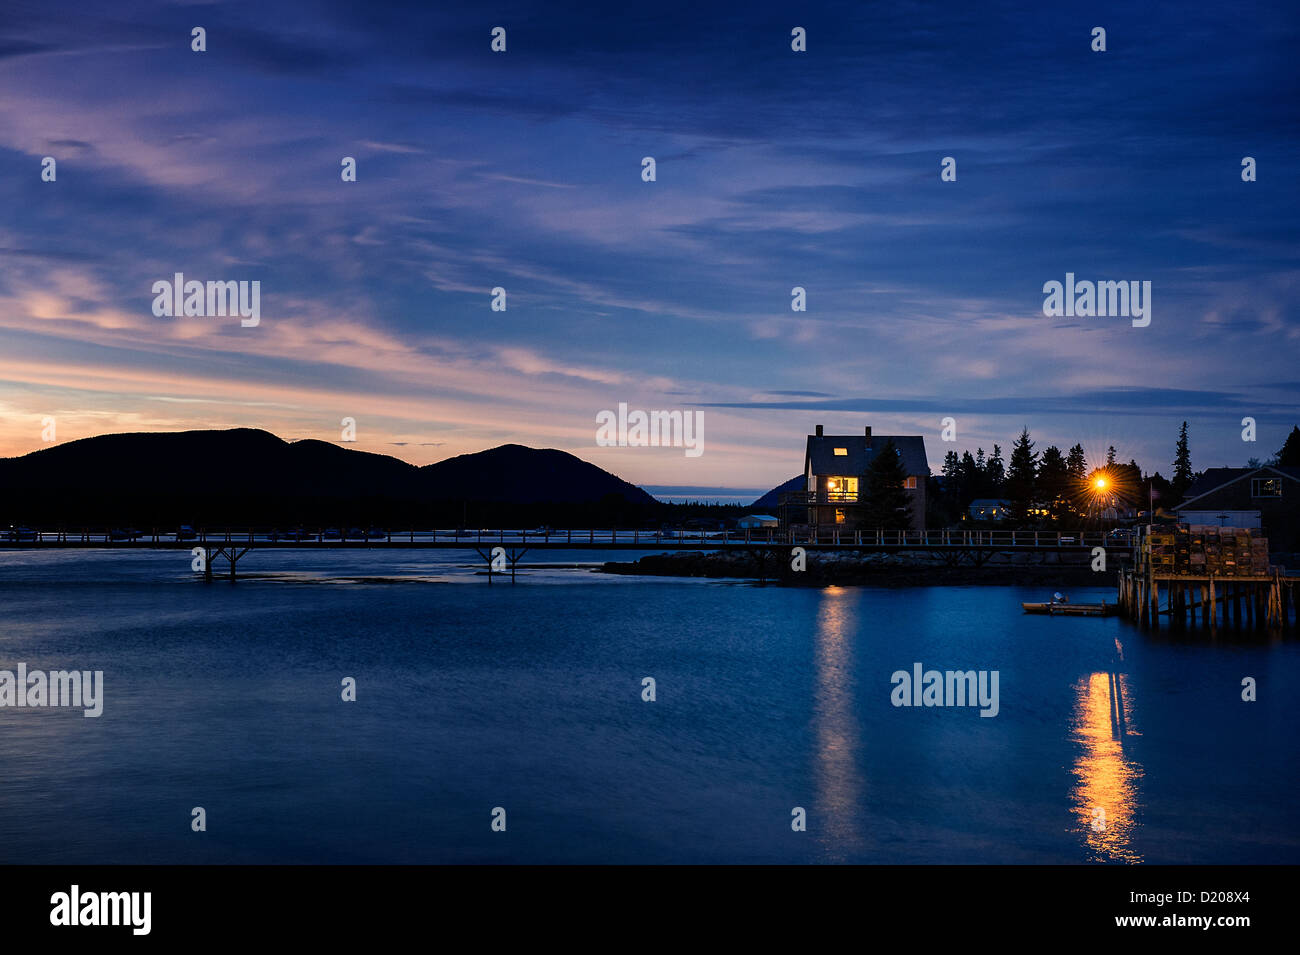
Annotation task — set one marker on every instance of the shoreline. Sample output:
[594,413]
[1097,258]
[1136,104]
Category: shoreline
[876,570]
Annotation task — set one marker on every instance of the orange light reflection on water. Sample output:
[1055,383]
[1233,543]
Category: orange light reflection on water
[839,784]
[1106,777]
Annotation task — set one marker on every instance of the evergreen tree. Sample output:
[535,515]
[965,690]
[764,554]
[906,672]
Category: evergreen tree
[943,498]
[979,460]
[996,471]
[1128,486]
[888,503]
[1076,463]
[1110,456]
[969,483]
[1182,466]
[1288,455]
[1021,478]
[1054,483]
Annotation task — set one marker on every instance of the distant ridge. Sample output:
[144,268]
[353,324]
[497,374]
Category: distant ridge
[773,497]
[248,475]
[524,475]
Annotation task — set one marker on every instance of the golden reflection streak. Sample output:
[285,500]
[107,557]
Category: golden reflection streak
[839,786]
[1106,778]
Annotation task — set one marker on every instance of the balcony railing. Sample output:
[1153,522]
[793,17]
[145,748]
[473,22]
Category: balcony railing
[820,497]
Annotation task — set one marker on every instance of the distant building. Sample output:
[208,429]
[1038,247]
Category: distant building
[757,520]
[835,476]
[1265,497]
[988,509]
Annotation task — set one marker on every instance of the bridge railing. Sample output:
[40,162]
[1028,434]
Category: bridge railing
[817,535]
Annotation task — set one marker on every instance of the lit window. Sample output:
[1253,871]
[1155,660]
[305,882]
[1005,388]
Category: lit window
[1265,487]
[910,483]
[841,452]
[842,488]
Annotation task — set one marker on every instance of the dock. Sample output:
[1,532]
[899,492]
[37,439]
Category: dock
[1102,609]
[501,548]
[1207,577]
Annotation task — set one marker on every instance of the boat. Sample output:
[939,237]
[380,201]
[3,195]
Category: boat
[1061,609]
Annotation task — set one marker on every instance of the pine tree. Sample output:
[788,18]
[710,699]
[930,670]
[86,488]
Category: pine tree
[951,463]
[1076,463]
[1126,487]
[1053,483]
[969,483]
[979,460]
[1110,456]
[888,503]
[1021,478]
[996,470]
[1182,466]
[1288,456]
[948,501]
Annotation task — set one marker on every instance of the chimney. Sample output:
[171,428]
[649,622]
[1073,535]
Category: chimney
[868,435]
[819,431]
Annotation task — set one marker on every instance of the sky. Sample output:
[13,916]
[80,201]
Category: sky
[774,169]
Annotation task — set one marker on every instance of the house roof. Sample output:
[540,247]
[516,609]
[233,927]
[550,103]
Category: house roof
[821,453]
[1212,479]
[989,502]
[759,517]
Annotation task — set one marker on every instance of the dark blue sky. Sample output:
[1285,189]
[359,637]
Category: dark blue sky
[775,169]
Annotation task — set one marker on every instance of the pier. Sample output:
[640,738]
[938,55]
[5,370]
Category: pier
[959,547]
[1206,577]
[969,543]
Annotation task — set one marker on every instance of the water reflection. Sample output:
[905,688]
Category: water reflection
[1106,787]
[839,785]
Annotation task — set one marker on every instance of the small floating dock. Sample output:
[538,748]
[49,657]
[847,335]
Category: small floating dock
[1102,609]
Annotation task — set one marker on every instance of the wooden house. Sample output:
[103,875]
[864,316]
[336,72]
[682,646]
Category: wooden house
[836,475]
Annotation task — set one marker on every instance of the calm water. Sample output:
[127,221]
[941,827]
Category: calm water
[529,698]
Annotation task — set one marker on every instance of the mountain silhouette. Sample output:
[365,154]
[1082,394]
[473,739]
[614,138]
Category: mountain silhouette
[247,476]
[773,497]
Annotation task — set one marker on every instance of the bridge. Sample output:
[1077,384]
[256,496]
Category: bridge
[955,546]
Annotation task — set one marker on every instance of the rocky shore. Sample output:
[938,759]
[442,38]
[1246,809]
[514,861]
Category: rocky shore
[880,570]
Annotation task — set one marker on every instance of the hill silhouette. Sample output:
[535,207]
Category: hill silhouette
[247,476]
[772,498]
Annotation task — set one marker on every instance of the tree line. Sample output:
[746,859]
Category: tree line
[1062,488]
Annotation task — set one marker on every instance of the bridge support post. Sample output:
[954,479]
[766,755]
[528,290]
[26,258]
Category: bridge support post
[487,557]
[514,557]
